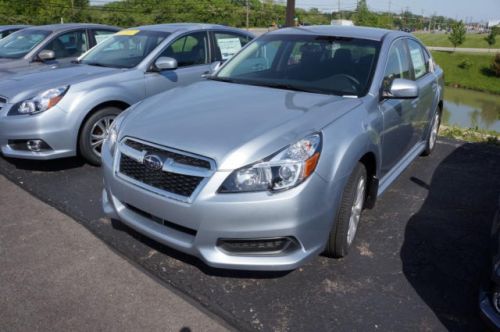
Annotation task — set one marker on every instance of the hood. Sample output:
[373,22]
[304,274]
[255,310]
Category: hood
[27,84]
[7,60]
[232,124]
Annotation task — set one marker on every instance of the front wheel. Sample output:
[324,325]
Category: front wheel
[431,141]
[94,132]
[349,214]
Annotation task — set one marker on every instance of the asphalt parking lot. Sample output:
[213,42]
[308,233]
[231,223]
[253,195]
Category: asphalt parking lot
[416,264]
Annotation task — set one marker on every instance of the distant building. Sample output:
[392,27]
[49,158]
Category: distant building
[342,22]
[493,23]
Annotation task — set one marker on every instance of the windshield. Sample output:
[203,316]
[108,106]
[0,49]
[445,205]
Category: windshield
[125,49]
[319,64]
[20,43]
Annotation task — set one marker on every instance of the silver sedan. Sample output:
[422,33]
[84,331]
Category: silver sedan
[68,110]
[271,160]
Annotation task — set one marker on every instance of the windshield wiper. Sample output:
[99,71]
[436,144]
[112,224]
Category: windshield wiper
[221,79]
[287,86]
[97,64]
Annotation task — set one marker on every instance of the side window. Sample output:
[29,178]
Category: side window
[70,44]
[398,65]
[101,35]
[228,44]
[417,58]
[189,50]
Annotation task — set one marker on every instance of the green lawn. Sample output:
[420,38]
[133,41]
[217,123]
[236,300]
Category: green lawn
[472,40]
[477,77]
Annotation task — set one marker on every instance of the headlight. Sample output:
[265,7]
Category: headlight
[283,170]
[41,102]
[114,129]
[112,137]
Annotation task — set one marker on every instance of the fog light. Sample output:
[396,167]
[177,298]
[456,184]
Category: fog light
[257,246]
[34,145]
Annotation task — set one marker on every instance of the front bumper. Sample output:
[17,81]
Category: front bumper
[304,213]
[55,127]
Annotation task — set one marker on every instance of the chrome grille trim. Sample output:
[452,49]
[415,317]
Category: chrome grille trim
[169,166]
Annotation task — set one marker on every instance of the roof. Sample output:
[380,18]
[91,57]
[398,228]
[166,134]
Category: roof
[173,27]
[14,26]
[69,26]
[339,31]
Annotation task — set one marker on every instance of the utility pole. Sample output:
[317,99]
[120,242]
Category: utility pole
[248,14]
[290,13]
[340,13]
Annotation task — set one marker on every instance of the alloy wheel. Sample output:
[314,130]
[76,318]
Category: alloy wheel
[357,208]
[99,132]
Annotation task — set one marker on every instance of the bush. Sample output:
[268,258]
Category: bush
[465,63]
[495,65]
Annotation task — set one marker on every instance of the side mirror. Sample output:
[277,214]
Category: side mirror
[46,55]
[402,89]
[214,66]
[165,63]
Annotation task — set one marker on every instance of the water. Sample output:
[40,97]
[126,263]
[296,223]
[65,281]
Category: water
[471,109]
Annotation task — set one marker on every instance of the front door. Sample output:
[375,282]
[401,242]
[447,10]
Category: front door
[192,54]
[398,136]
[68,46]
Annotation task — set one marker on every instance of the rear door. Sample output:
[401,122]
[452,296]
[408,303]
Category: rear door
[398,136]
[99,35]
[226,44]
[192,52]
[427,85]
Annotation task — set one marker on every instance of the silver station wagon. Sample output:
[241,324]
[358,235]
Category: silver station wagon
[65,111]
[271,160]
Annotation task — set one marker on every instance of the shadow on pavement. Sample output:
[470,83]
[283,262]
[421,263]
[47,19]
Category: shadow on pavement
[46,165]
[445,249]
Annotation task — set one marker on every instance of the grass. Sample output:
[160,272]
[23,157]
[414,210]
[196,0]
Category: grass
[472,40]
[478,77]
[470,134]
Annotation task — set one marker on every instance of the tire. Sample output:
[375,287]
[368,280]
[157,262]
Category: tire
[93,133]
[354,197]
[433,132]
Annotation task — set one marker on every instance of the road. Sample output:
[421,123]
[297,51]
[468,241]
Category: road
[56,276]
[416,264]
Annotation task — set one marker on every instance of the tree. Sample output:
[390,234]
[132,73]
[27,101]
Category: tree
[490,39]
[495,65]
[363,15]
[457,35]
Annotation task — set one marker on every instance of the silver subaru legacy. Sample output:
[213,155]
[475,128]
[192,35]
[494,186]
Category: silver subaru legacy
[68,110]
[43,47]
[271,160]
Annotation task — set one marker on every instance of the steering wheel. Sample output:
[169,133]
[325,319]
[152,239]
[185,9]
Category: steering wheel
[356,85]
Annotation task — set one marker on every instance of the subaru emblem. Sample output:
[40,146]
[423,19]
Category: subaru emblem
[153,162]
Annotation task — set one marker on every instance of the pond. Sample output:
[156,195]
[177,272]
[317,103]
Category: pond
[471,109]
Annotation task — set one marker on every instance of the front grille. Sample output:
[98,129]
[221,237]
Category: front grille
[179,184]
[177,157]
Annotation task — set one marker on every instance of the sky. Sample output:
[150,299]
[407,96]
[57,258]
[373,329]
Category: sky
[467,10]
